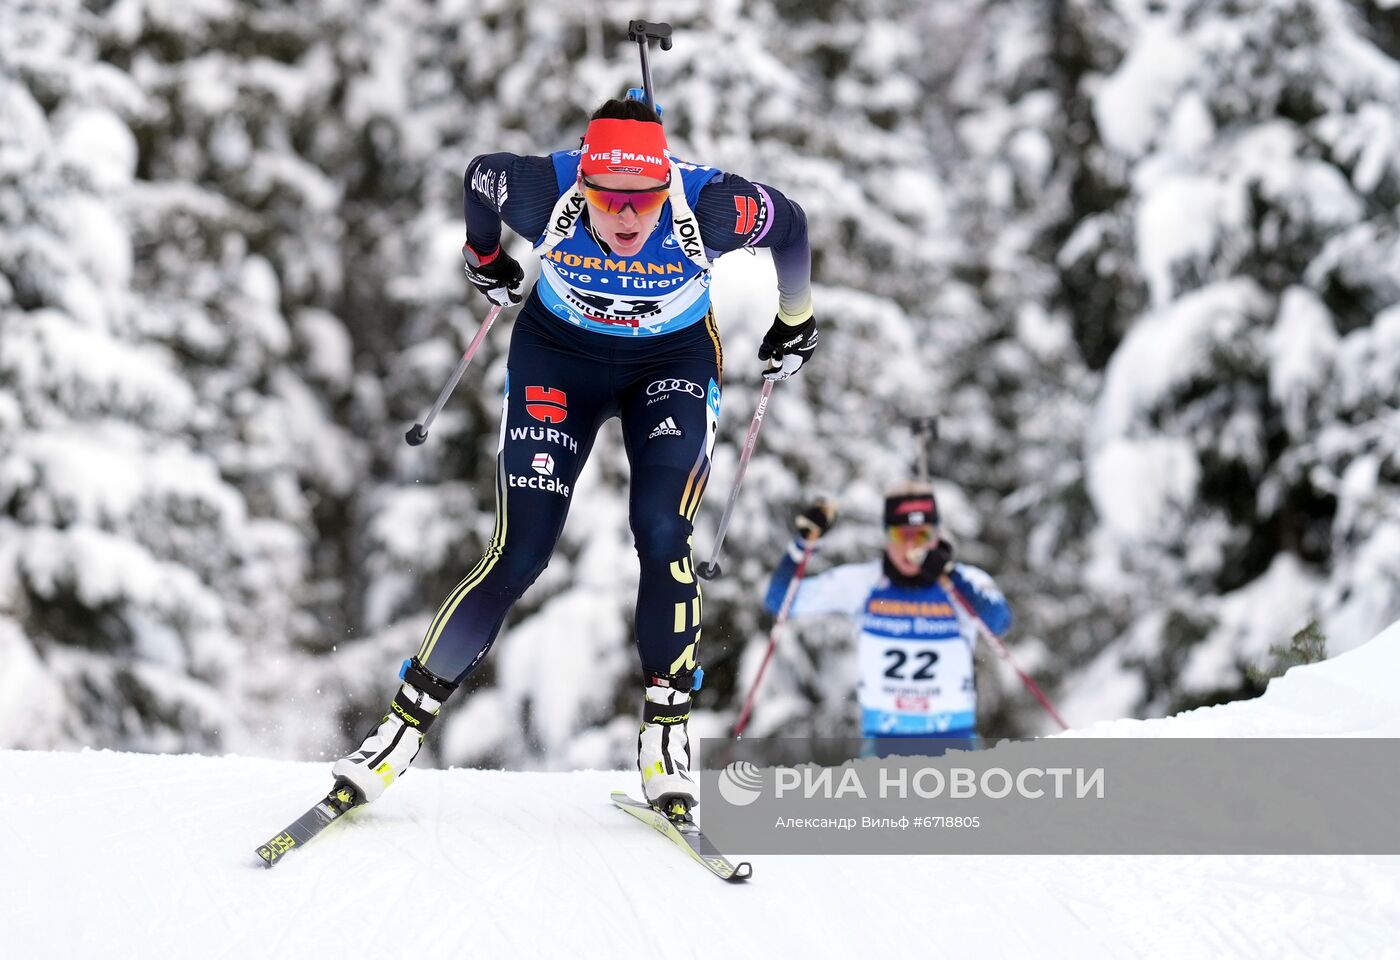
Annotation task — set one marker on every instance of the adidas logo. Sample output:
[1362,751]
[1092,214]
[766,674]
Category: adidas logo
[666,428]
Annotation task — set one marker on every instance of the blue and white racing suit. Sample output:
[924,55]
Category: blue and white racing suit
[915,644]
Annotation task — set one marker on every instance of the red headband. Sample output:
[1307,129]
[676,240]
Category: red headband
[625,146]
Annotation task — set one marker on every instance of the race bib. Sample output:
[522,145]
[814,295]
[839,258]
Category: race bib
[916,686]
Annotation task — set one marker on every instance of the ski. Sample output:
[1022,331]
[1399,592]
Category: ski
[686,835]
[341,800]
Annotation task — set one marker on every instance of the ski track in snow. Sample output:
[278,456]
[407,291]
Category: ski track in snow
[124,855]
[116,855]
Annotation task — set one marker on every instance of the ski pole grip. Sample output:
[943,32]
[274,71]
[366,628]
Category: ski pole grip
[643,33]
[924,427]
[416,436]
[707,571]
[640,31]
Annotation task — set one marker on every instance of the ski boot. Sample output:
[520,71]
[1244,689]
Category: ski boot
[663,746]
[392,745]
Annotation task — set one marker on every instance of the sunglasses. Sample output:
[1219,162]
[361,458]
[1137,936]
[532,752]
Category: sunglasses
[910,536]
[610,200]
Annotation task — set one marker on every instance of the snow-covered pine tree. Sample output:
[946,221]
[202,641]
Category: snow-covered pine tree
[168,465]
[1241,434]
[1021,342]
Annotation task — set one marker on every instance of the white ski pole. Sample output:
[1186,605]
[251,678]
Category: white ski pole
[419,432]
[711,570]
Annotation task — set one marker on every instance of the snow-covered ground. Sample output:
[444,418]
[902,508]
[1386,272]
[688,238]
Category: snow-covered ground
[108,855]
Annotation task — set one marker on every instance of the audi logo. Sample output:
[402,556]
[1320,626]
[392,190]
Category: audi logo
[674,386]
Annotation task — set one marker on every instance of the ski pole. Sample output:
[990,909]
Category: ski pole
[924,429]
[788,598]
[419,433]
[643,33]
[710,570]
[1001,650]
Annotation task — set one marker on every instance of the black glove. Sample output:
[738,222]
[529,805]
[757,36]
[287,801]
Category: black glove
[789,346]
[938,562]
[816,520]
[500,279]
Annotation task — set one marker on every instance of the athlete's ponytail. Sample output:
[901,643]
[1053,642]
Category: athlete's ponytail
[625,110]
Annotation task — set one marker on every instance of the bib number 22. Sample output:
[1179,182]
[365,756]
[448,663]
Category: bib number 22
[922,667]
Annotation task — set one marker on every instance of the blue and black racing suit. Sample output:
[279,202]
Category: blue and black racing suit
[602,335]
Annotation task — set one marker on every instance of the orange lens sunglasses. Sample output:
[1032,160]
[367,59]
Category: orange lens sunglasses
[924,535]
[610,200]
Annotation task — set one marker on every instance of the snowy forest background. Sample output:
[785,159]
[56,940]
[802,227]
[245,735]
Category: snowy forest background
[1141,257]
